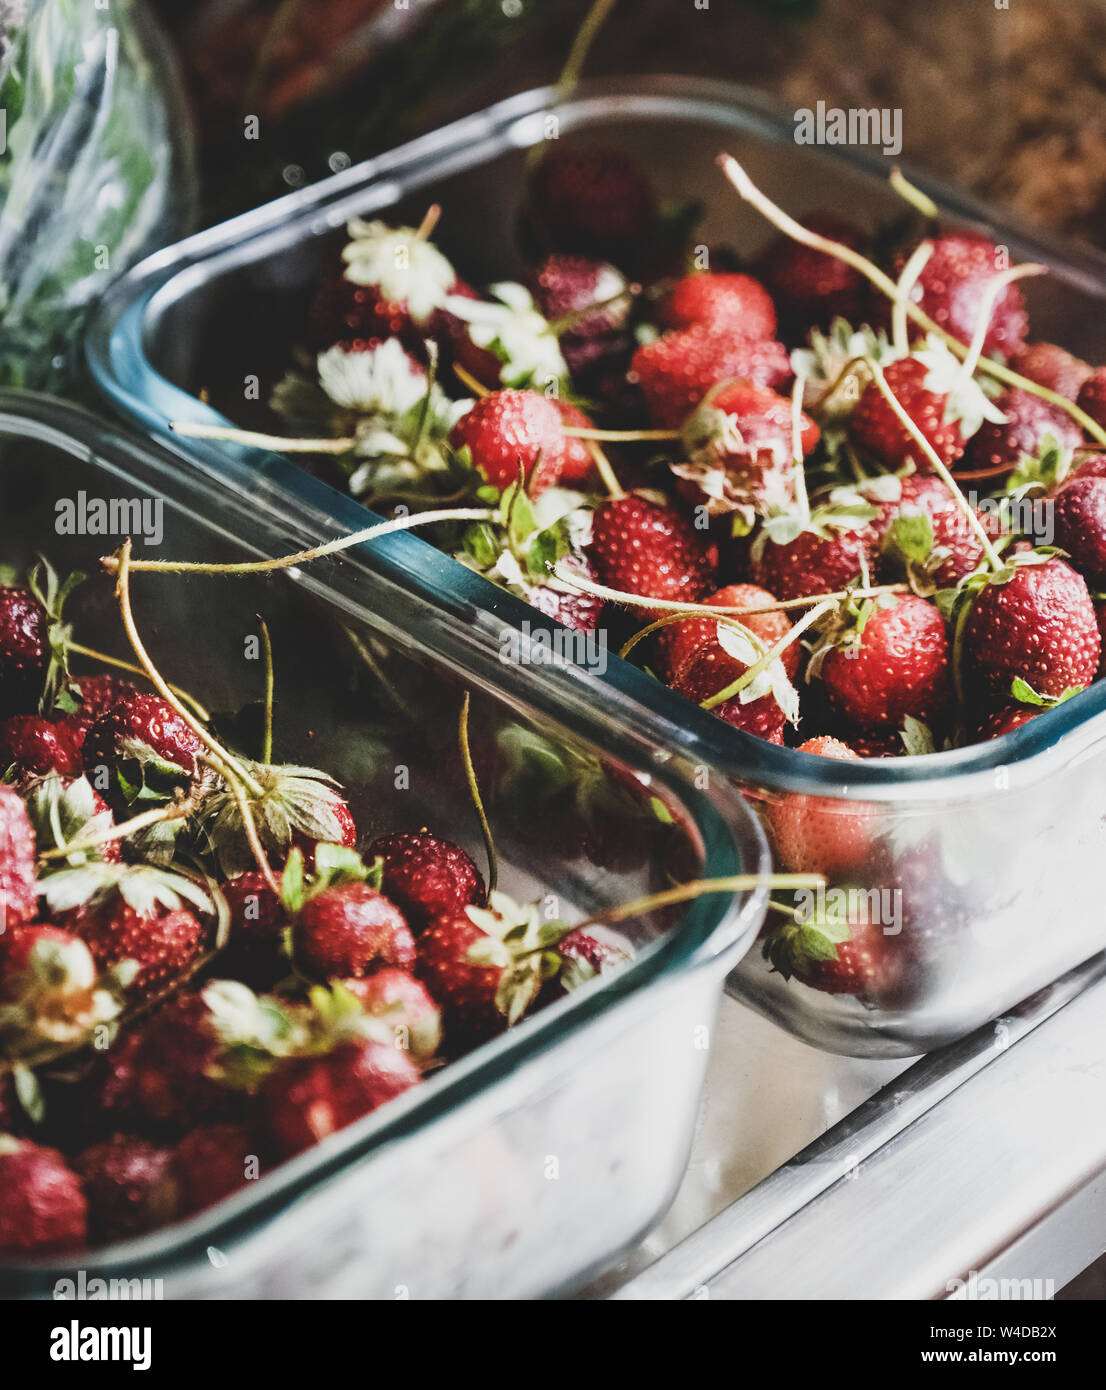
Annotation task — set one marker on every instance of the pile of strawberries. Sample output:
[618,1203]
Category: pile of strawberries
[178,1014]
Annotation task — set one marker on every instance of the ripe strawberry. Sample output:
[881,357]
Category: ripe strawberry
[874,427]
[735,304]
[578,467]
[509,429]
[877,743]
[575,610]
[23,636]
[811,563]
[1005,720]
[567,285]
[1040,625]
[464,989]
[596,202]
[167,1078]
[954,284]
[136,732]
[1091,399]
[1089,466]
[898,665]
[162,943]
[810,288]
[640,547]
[350,929]
[310,1098]
[404,1003]
[957,549]
[210,1163]
[16,945]
[1028,420]
[1051,366]
[678,642]
[254,951]
[425,875]
[42,1207]
[820,834]
[676,371]
[585,955]
[129,1186]
[100,693]
[851,957]
[710,670]
[32,744]
[1079,519]
[17,860]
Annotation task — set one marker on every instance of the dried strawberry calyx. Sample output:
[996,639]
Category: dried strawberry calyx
[59,691]
[1044,471]
[833,369]
[1024,693]
[529,535]
[292,800]
[807,937]
[966,400]
[518,942]
[844,510]
[145,889]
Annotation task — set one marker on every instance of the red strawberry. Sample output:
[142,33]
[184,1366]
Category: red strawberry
[165,1079]
[877,743]
[254,951]
[899,666]
[137,720]
[403,1002]
[310,1098]
[709,671]
[16,945]
[42,1207]
[346,836]
[349,930]
[575,610]
[1006,720]
[1091,399]
[162,943]
[1089,466]
[129,1186]
[425,875]
[954,284]
[568,285]
[874,426]
[676,371]
[17,860]
[813,564]
[1040,625]
[867,963]
[464,989]
[640,547]
[819,834]
[1028,420]
[957,549]
[1049,365]
[23,636]
[509,429]
[810,288]
[585,955]
[678,642]
[735,304]
[596,201]
[1079,519]
[100,692]
[211,1163]
[578,468]
[32,744]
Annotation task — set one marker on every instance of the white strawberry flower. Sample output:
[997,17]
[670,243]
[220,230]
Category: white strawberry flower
[967,402]
[403,266]
[511,326]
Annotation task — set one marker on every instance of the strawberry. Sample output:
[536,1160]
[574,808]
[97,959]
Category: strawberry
[42,1207]
[17,860]
[403,1002]
[641,547]
[212,1162]
[838,955]
[819,834]
[1028,419]
[894,663]
[945,551]
[708,671]
[740,450]
[809,287]
[1039,625]
[167,1079]
[298,808]
[508,430]
[680,641]
[732,304]
[954,284]
[583,956]
[129,1186]
[575,610]
[596,202]
[254,951]
[101,692]
[1091,399]
[1079,520]
[23,636]
[564,287]
[425,875]
[677,370]
[142,736]
[1005,720]
[163,943]
[350,929]
[876,743]
[32,744]
[821,560]
[874,427]
[578,466]
[310,1098]
[1051,366]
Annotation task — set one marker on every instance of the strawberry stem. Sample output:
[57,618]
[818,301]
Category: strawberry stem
[936,463]
[430,218]
[789,227]
[687,892]
[123,594]
[79,649]
[914,196]
[671,618]
[995,286]
[574,316]
[284,444]
[176,810]
[112,563]
[249,826]
[474,789]
[586,35]
[604,469]
[619,436]
[267,650]
[466,378]
[905,286]
[773,654]
[801,498]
